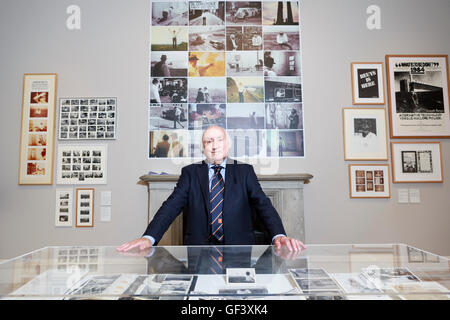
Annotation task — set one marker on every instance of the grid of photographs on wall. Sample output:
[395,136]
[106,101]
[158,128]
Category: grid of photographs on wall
[234,64]
[85,207]
[82,164]
[87,118]
[63,212]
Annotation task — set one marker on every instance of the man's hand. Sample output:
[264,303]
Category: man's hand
[290,243]
[141,243]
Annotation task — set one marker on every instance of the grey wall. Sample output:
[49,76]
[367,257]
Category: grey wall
[109,57]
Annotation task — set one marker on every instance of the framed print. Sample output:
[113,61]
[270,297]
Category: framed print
[418,96]
[369,181]
[87,118]
[82,164]
[367,82]
[416,162]
[365,134]
[85,207]
[38,127]
[63,208]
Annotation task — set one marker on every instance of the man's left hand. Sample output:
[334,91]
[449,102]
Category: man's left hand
[290,243]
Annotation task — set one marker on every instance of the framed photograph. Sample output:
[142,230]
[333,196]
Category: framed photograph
[416,162]
[87,118]
[85,207]
[63,208]
[369,181]
[418,96]
[367,82]
[365,134]
[38,129]
[82,164]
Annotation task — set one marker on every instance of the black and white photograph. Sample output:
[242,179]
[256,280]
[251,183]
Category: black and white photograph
[206,38]
[356,283]
[244,63]
[234,38]
[243,13]
[168,116]
[168,143]
[280,13]
[367,83]
[173,13]
[247,143]
[285,143]
[206,13]
[245,116]
[283,89]
[85,207]
[203,115]
[63,208]
[416,162]
[281,38]
[418,89]
[284,116]
[168,90]
[252,38]
[82,164]
[240,275]
[309,273]
[281,63]
[88,118]
[207,90]
[169,64]
[317,284]
[245,89]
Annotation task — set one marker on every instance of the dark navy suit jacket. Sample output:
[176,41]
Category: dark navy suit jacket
[191,196]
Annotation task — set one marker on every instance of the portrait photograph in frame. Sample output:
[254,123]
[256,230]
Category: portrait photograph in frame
[37,129]
[367,83]
[369,181]
[418,96]
[365,134]
[416,162]
[85,207]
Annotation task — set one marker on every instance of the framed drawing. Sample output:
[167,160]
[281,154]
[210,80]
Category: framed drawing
[85,207]
[37,129]
[418,96]
[416,162]
[365,133]
[63,212]
[87,118]
[82,164]
[367,82]
[369,181]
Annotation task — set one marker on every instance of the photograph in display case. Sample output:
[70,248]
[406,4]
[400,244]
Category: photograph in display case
[369,181]
[367,82]
[63,208]
[365,134]
[38,129]
[82,164]
[87,118]
[416,162]
[85,207]
[418,96]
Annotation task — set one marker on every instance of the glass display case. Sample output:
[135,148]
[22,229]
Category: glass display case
[336,272]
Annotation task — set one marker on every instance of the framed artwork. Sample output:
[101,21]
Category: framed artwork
[63,208]
[367,82]
[37,129]
[82,164]
[369,181]
[365,134]
[418,96]
[85,207]
[87,118]
[416,162]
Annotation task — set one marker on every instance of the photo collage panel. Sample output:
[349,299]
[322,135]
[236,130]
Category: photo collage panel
[234,64]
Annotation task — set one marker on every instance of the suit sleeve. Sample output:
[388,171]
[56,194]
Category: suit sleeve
[264,208]
[170,208]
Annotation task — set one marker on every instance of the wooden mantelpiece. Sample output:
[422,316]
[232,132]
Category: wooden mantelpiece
[284,190]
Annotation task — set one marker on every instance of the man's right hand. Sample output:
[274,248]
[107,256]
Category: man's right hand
[141,243]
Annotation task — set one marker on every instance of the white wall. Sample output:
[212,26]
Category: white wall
[109,57]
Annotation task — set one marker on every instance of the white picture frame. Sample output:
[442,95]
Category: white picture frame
[85,207]
[63,208]
[369,181]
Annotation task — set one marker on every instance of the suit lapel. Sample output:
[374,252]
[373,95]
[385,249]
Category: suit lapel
[229,184]
[204,183]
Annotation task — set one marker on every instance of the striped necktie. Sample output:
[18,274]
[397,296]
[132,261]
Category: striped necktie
[216,204]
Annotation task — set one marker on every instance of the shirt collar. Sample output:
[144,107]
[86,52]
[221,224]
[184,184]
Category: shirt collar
[223,164]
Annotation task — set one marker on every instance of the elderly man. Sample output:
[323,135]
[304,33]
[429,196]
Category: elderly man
[217,196]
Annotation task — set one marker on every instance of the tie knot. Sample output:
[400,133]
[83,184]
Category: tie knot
[217,169]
